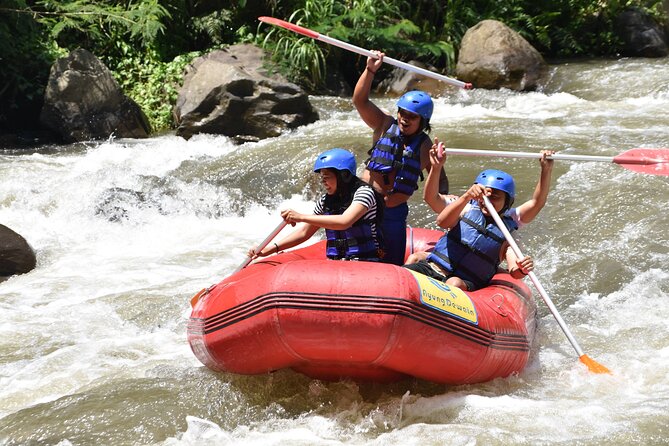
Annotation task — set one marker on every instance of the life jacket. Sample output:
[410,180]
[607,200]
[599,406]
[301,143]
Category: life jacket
[471,249]
[358,241]
[389,153]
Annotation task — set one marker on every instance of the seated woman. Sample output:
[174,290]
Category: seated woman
[469,254]
[350,211]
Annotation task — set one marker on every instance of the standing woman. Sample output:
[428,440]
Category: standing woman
[349,211]
[399,154]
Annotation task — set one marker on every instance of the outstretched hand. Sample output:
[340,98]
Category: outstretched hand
[477,192]
[254,255]
[373,64]
[437,154]
[544,160]
[525,265]
[291,216]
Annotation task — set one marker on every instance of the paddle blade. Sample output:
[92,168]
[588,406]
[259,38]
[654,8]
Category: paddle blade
[290,26]
[195,299]
[650,161]
[593,365]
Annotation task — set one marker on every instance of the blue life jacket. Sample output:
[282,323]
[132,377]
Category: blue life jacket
[471,249]
[358,241]
[389,154]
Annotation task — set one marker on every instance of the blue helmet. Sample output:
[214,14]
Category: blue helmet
[497,179]
[339,159]
[417,102]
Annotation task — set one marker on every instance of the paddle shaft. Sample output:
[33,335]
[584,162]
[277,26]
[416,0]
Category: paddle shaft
[356,49]
[533,277]
[652,156]
[262,245]
[508,154]
[394,62]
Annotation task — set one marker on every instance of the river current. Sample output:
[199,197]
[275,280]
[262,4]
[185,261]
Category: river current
[93,345]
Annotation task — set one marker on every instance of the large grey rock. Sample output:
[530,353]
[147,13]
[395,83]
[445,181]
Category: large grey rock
[492,55]
[641,35]
[229,93]
[83,101]
[16,255]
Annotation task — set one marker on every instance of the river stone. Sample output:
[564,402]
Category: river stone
[493,56]
[228,92]
[83,101]
[641,35]
[16,255]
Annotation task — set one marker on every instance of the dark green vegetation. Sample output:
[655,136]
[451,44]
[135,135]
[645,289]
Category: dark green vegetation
[147,43]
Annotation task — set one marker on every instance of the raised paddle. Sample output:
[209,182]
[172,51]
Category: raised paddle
[262,245]
[592,365]
[650,161]
[356,49]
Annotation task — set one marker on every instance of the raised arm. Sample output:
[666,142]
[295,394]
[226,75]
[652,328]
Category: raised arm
[530,209]
[431,193]
[376,119]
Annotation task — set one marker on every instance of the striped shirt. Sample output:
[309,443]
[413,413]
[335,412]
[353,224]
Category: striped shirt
[363,195]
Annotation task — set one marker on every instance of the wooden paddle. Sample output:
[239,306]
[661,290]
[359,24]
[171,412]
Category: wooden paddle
[356,49]
[262,245]
[592,365]
[650,161]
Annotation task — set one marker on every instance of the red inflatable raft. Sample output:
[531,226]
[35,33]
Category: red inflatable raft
[361,320]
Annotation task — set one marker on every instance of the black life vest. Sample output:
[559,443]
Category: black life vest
[363,239]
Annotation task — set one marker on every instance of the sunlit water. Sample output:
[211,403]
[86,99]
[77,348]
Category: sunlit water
[93,343]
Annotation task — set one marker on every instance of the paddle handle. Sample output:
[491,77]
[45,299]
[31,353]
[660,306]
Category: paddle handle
[262,245]
[533,277]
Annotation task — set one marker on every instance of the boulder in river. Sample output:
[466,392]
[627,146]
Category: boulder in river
[493,56]
[227,92]
[83,101]
[16,255]
[641,35]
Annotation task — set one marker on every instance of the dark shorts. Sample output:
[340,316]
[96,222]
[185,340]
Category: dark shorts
[423,267]
[394,227]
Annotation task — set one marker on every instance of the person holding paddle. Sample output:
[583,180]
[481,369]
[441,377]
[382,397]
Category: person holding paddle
[399,154]
[469,254]
[349,211]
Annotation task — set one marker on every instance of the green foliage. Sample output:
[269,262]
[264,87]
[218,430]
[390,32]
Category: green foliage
[142,40]
[213,26]
[97,21]
[26,57]
[371,24]
[153,84]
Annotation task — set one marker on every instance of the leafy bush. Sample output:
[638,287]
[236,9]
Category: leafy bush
[153,84]
[26,56]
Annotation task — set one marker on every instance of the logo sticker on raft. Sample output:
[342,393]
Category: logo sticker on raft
[445,298]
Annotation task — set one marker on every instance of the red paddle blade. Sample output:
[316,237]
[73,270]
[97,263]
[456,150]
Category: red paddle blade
[650,161]
[290,26]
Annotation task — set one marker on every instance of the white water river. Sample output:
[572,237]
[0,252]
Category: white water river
[93,343]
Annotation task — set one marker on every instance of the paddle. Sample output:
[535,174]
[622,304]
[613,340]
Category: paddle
[262,245]
[592,365]
[650,161]
[356,49]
